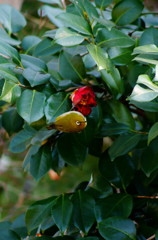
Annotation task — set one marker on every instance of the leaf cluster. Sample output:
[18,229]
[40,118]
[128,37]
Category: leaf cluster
[111,46]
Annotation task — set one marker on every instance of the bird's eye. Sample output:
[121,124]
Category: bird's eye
[78,123]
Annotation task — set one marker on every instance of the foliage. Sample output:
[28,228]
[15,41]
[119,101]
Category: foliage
[111,47]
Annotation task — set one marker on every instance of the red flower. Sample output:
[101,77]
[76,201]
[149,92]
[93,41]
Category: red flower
[84,96]
[83,99]
[83,109]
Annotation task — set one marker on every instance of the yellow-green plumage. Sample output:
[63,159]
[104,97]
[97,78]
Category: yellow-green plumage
[70,122]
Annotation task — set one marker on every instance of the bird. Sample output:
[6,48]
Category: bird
[69,122]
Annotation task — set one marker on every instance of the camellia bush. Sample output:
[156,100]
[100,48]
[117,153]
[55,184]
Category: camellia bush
[86,89]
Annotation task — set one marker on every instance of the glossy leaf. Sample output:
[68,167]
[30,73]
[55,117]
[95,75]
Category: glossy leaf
[151,152]
[6,38]
[126,11]
[67,38]
[123,144]
[149,36]
[141,94]
[21,141]
[117,174]
[10,92]
[46,48]
[11,19]
[74,65]
[102,3]
[83,211]
[11,121]
[30,105]
[114,205]
[110,75]
[153,133]
[33,63]
[35,78]
[29,42]
[75,22]
[8,51]
[71,149]
[120,113]
[40,162]
[117,228]
[62,212]
[56,105]
[38,211]
[6,233]
[110,129]
[86,6]
[113,38]
[52,13]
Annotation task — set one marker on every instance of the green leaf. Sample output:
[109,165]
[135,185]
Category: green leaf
[52,13]
[153,133]
[120,113]
[103,3]
[32,151]
[110,129]
[35,78]
[83,211]
[38,212]
[42,135]
[40,162]
[30,105]
[117,174]
[33,63]
[104,22]
[117,228]
[71,149]
[8,51]
[123,144]
[126,11]
[74,66]
[149,36]
[57,104]
[75,22]
[150,152]
[46,48]
[18,225]
[120,56]
[11,19]
[11,121]
[100,57]
[141,94]
[6,233]
[10,92]
[29,42]
[6,38]
[110,75]
[115,205]
[6,72]
[61,212]
[114,38]
[68,38]
[86,7]
[21,141]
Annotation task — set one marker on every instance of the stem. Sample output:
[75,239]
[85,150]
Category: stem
[152,237]
[147,197]
[139,132]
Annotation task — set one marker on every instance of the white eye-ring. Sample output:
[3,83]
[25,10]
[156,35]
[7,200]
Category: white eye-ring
[78,123]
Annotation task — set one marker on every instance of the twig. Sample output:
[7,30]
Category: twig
[147,197]
[152,237]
